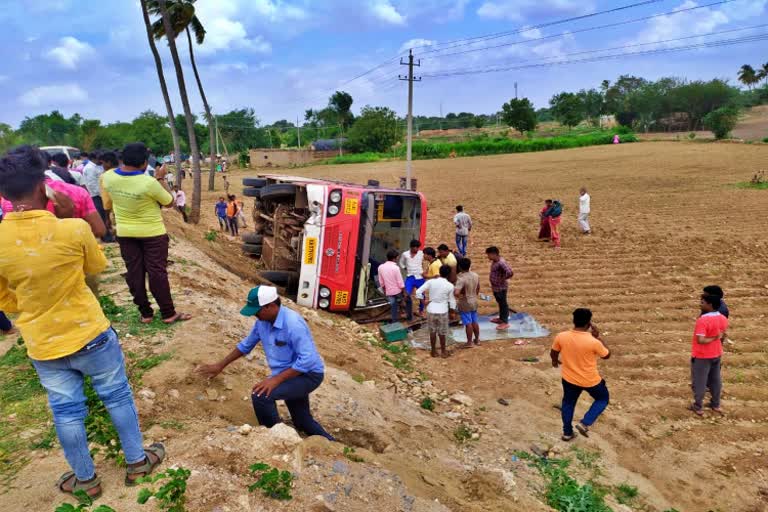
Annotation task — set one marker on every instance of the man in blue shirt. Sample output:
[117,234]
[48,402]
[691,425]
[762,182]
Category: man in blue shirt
[221,213]
[297,368]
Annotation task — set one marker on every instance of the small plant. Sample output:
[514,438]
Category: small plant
[691,135]
[462,434]
[765,140]
[273,483]
[625,493]
[170,496]
[590,460]
[428,404]
[359,378]
[758,178]
[721,121]
[212,235]
[349,453]
[85,505]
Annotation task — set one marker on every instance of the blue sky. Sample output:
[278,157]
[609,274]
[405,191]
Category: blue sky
[281,57]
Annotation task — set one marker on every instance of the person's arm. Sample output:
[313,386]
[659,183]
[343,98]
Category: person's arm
[700,331]
[402,263]
[423,289]
[603,351]
[210,371]
[555,356]
[94,261]
[160,192]
[508,272]
[8,301]
[452,299]
[705,340]
[97,225]
[306,353]
[106,199]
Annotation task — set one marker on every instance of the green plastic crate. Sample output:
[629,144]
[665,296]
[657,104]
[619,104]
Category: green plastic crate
[393,332]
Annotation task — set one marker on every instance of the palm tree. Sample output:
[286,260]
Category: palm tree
[193,148]
[163,88]
[182,13]
[748,76]
[764,73]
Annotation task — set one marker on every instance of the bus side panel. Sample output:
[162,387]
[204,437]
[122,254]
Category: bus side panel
[340,247]
[423,230]
[312,244]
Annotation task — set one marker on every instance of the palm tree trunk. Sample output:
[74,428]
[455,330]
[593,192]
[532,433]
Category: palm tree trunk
[164,89]
[208,116]
[194,216]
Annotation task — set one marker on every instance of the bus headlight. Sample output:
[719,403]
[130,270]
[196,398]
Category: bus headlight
[333,209]
[325,292]
[324,303]
[335,196]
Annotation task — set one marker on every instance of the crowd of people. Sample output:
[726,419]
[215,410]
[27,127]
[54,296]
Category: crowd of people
[49,281]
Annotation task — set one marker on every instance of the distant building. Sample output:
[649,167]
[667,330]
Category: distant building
[327,144]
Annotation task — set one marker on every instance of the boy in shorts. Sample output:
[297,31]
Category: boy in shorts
[466,290]
[440,300]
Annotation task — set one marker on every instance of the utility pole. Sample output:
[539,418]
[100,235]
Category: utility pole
[515,90]
[410,78]
[298,130]
[216,123]
[441,115]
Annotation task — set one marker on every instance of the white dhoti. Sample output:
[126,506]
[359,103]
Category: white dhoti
[584,222]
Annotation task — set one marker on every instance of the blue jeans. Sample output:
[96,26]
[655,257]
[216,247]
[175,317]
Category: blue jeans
[394,307]
[411,283]
[571,393]
[102,360]
[461,244]
[5,324]
[295,392]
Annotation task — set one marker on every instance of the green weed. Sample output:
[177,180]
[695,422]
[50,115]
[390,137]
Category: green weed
[590,460]
[273,483]
[171,496]
[349,453]
[172,424]
[399,355]
[127,320]
[625,493]
[462,434]
[359,378]
[212,235]
[45,442]
[86,502]
[563,492]
[757,186]
[428,404]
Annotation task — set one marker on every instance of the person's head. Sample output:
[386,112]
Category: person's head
[459,208]
[414,245]
[22,176]
[492,253]
[135,156]
[263,303]
[548,202]
[109,160]
[443,250]
[60,159]
[47,157]
[93,156]
[582,317]
[175,188]
[465,264]
[709,303]
[392,255]
[445,271]
[582,191]
[714,290]
[430,254]
[222,199]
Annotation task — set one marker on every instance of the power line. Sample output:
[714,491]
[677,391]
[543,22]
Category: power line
[710,44]
[486,69]
[579,31]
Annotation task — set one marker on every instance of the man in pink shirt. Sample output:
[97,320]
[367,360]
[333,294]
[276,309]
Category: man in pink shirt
[391,280]
[706,352]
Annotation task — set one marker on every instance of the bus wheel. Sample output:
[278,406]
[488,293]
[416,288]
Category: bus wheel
[254,182]
[251,192]
[278,191]
[252,238]
[282,278]
[252,249]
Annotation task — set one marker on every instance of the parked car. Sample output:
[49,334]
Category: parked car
[72,153]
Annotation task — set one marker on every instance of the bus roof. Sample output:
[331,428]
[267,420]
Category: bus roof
[315,181]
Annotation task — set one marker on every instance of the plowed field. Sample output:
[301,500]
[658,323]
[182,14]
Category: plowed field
[667,220]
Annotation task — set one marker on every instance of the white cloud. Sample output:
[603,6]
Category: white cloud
[531,33]
[700,21]
[517,10]
[386,12]
[416,43]
[54,95]
[70,52]
[225,34]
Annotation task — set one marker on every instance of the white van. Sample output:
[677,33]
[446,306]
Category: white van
[72,153]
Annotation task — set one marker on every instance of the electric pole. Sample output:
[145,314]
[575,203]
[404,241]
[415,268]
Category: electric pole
[298,131]
[515,90]
[409,144]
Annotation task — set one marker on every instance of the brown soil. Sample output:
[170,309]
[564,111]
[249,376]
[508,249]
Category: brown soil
[667,221]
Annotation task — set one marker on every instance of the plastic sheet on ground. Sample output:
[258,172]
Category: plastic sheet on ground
[522,326]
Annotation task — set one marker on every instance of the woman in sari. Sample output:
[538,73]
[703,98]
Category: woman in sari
[544,230]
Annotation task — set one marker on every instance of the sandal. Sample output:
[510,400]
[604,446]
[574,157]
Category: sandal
[717,410]
[147,319]
[79,485]
[158,450]
[178,317]
[695,410]
[583,429]
[568,438]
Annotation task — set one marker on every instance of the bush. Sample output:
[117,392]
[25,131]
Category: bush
[765,140]
[721,121]
[374,130]
[692,135]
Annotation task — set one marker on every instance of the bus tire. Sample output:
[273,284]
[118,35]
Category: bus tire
[278,191]
[252,238]
[252,192]
[252,249]
[279,277]
[254,182]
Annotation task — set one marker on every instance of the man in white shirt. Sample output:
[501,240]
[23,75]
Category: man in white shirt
[181,202]
[440,299]
[92,181]
[412,262]
[584,211]
[463,223]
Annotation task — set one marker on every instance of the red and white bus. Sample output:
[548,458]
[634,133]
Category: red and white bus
[323,240]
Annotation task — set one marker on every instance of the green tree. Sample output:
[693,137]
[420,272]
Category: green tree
[50,129]
[567,108]
[341,104]
[748,76]
[519,114]
[89,130]
[722,121]
[8,138]
[699,98]
[593,103]
[764,73]
[183,17]
[374,130]
[240,130]
[152,129]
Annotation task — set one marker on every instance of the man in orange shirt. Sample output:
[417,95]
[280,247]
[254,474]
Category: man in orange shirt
[706,354]
[579,349]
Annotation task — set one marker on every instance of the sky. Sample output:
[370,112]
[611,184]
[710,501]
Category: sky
[281,57]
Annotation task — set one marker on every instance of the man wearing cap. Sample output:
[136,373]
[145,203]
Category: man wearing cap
[297,368]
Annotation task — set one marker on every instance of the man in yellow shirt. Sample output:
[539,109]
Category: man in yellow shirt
[577,350]
[448,258]
[136,200]
[433,264]
[42,278]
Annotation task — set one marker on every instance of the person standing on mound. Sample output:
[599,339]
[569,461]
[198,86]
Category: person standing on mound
[297,368]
